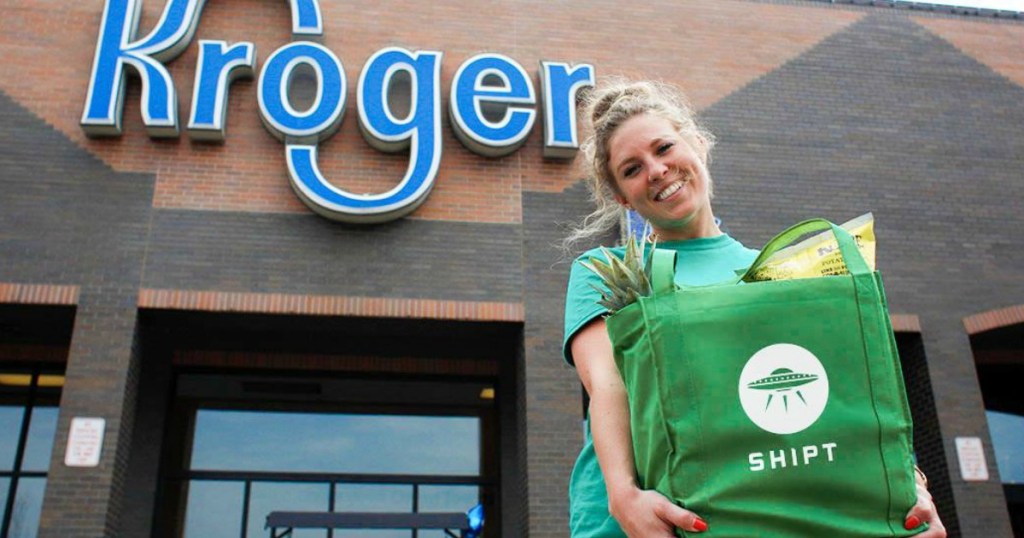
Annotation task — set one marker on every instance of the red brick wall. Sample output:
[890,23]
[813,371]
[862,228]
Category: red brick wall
[709,47]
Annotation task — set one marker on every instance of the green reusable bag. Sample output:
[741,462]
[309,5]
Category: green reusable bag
[771,409]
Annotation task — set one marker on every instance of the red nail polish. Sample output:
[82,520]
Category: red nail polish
[911,523]
[700,525]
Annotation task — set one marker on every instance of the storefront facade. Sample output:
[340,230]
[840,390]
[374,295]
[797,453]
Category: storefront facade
[245,331]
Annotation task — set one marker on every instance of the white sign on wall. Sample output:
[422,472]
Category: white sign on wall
[971,454]
[85,442]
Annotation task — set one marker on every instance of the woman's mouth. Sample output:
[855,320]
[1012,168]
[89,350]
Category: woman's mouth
[669,190]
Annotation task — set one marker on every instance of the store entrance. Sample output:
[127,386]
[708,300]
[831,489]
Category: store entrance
[999,358]
[363,445]
[285,419]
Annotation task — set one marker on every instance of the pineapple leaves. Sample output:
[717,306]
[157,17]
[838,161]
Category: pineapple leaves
[627,278]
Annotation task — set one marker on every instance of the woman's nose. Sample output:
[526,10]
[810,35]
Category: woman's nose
[657,170]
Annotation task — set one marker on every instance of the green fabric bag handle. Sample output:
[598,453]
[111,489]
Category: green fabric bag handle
[847,246]
[663,265]
[663,271]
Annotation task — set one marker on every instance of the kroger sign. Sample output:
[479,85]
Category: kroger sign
[488,82]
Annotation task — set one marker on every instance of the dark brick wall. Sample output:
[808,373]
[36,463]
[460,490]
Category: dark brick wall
[306,254]
[553,410]
[151,407]
[67,218]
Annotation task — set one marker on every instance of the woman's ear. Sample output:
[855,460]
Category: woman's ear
[622,201]
[616,195]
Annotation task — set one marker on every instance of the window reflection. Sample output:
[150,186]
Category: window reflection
[10,425]
[1007,432]
[27,395]
[372,498]
[321,460]
[41,431]
[214,509]
[5,484]
[336,443]
[28,504]
[448,498]
[271,497]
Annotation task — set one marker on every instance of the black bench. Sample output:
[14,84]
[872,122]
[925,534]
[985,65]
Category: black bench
[287,521]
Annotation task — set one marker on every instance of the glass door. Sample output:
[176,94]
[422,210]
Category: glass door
[351,451]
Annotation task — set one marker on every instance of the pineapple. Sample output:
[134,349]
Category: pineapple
[627,279]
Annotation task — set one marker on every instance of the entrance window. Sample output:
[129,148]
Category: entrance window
[999,358]
[29,401]
[336,443]
[1007,432]
[245,459]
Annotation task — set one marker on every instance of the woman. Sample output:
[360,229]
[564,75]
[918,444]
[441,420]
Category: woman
[647,153]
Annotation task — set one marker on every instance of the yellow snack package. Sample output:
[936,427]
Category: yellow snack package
[819,254]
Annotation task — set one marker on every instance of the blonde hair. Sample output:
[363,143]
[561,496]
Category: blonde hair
[607,108]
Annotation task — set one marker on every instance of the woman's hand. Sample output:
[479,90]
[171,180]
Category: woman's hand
[924,512]
[648,514]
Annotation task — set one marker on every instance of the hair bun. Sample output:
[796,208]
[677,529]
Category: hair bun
[602,103]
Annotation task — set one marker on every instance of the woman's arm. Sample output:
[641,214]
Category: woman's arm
[641,513]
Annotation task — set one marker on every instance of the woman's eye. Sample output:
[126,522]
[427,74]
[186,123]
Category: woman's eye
[631,171]
[664,147]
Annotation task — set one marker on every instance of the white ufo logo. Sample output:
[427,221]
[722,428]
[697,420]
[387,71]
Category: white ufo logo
[781,381]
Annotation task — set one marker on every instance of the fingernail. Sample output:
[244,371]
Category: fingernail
[700,525]
[911,523]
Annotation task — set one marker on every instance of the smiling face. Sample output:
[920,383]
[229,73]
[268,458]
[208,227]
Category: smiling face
[662,176]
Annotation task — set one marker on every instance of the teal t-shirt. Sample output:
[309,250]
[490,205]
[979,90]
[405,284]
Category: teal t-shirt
[698,262]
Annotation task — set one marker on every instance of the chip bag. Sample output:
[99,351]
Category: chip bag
[819,255]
